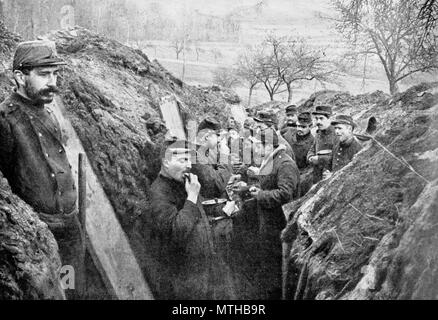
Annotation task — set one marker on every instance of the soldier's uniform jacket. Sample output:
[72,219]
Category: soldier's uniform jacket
[343,153]
[213,177]
[181,240]
[289,150]
[279,182]
[301,147]
[324,140]
[288,133]
[33,157]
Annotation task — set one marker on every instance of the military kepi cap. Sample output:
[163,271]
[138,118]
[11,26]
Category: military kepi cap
[266,117]
[325,110]
[38,53]
[210,124]
[304,118]
[344,119]
[291,109]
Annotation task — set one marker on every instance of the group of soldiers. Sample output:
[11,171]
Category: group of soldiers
[214,254]
[213,228]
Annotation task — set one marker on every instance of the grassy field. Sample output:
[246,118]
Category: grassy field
[202,74]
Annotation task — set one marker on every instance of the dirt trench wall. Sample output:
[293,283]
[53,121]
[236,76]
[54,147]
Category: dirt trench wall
[372,208]
[29,260]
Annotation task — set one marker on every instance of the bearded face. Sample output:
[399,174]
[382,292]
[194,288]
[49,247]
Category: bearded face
[40,84]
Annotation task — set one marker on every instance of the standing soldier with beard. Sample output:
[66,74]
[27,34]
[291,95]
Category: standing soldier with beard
[32,154]
[319,154]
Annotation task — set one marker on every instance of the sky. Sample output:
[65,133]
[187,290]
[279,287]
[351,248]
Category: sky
[294,8]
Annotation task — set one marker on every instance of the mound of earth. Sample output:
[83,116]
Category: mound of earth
[29,259]
[370,231]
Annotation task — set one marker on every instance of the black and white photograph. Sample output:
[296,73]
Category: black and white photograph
[236,152]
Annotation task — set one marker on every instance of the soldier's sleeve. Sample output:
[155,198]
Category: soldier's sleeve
[223,173]
[288,180]
[289,150]
[215,179]
[175,225]
[291,153]
[333,155]
[6,143]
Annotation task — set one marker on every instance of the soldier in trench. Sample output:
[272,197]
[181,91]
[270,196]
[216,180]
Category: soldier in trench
[278,183]
[319,154]
[181,235]
[346,146]
[32,154]
[289,128]
[267,119]
[303,140]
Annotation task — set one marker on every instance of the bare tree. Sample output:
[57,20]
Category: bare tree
[295,61]
[225,77]
[264,57]
[392,31]
[429,15]
[246,70]
[217,54]
[198,49]
[178,45]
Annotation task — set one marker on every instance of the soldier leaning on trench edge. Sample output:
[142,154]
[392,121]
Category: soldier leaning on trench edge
[33,158]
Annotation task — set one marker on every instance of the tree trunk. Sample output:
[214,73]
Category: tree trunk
[249,96]
[393,87]
[271,95]
[289,92]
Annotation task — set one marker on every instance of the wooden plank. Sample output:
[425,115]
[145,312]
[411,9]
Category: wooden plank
[238,112]
[106,240]
[172,116]
[82,189]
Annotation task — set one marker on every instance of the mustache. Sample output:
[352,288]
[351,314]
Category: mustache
[49,90]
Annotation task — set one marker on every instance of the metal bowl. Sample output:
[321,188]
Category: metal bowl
[213,207]
[324,152]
